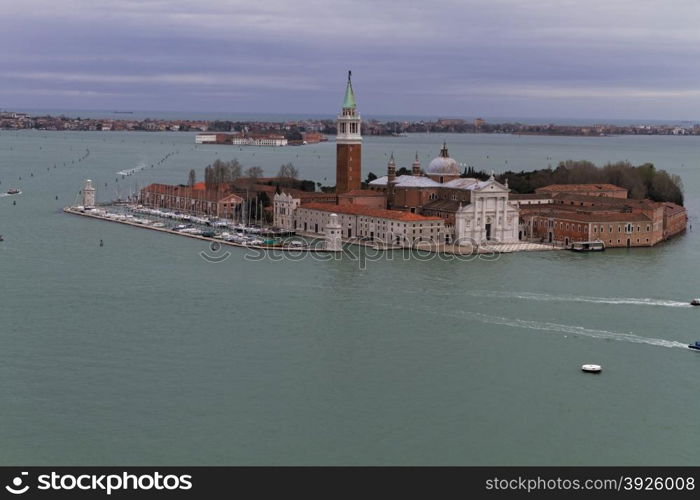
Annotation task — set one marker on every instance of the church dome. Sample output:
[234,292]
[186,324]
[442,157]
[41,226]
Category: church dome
[443,164]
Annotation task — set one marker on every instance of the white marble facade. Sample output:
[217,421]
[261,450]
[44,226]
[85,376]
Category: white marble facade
[490,216]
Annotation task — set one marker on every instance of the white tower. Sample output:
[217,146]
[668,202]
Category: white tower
[88,194]
[333,232]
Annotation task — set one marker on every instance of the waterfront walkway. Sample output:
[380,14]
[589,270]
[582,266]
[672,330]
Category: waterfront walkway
[488,248]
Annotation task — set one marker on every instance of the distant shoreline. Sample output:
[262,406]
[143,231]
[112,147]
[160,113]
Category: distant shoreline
[292,129]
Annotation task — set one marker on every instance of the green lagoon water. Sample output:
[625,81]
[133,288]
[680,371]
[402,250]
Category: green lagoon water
[141,352]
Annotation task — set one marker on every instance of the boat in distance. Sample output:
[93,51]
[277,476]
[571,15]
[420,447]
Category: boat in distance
[590,368]
[13,191]
[587,246]
[695,302]
[695,346]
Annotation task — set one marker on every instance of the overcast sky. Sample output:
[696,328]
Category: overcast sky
[531,58]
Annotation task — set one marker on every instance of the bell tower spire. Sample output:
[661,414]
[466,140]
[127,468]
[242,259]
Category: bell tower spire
[349,101]
[415,168]
[348,173]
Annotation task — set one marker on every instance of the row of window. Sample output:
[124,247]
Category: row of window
[628,228]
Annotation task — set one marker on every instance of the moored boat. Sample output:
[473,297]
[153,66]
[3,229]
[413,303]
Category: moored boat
[587,246]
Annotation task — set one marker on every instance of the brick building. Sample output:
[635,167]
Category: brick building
[193,200]
[605,190]
[364,197]
[616,221]
[675,219]
[615,229]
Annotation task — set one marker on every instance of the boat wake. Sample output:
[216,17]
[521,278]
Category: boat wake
[557,328]
[543,297]
[132,171]
[575,330]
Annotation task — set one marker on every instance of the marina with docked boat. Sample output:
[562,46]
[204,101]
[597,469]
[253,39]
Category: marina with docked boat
[224,232]
[201,227]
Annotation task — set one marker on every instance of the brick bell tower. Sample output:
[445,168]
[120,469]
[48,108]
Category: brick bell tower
[348,172]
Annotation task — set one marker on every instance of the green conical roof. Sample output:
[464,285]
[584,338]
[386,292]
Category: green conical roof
[349,101]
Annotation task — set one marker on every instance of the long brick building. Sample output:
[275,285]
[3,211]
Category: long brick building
[602,190]
[196,200]
[600,213]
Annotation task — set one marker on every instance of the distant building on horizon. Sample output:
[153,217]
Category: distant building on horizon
[275,140]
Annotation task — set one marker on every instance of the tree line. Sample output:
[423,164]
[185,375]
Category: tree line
[224,172]
[642,181]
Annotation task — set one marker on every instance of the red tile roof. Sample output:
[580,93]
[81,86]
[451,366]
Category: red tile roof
[528,196]
[211,195]
[329,197]
[606,200]
[362,192]
[370,212]
[581,187]
[672,208]
[584,216]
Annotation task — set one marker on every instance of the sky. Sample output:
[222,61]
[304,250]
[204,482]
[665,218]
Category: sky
[459,58]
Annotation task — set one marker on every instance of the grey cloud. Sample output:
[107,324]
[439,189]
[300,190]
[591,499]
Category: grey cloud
[487,57]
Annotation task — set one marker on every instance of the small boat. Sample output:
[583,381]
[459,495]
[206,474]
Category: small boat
[588,246]
[695,346]
[591,368]
[695,302]
[1,238]
[13,191]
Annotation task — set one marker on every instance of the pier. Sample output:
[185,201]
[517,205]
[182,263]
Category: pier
[93,214]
